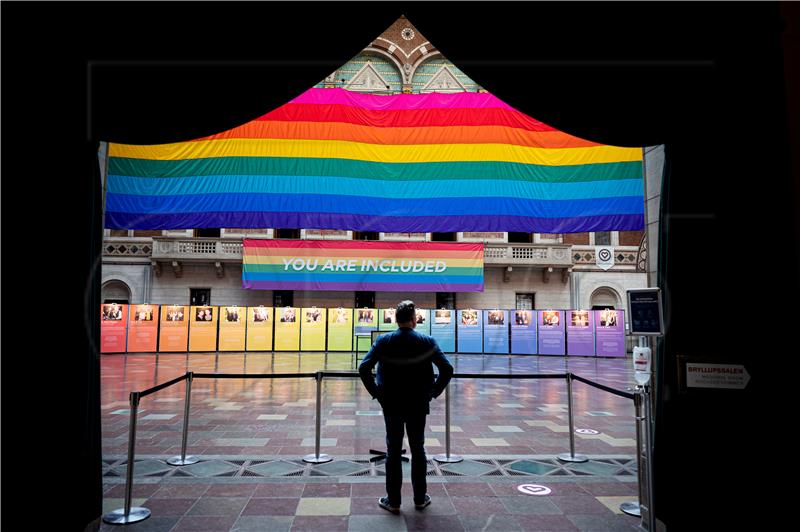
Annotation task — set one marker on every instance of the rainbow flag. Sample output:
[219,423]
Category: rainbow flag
[335,159]
[359,265]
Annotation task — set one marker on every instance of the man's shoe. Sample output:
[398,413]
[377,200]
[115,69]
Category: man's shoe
[383,502]
[424,503]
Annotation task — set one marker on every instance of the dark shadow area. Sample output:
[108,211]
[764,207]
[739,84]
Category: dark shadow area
[707,80]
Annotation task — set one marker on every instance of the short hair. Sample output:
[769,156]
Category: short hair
[405,312]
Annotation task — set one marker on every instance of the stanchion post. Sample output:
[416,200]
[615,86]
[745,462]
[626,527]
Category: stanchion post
[127,514]
[317,458]
[571,457]
[447,457]
[630,507]
[648,428]
[183,459]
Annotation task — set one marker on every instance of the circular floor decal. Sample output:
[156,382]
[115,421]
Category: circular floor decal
[586,431]
[534,489]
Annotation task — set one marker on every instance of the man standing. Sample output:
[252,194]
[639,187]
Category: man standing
[404,388]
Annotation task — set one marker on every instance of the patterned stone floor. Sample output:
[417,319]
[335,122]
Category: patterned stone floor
[251,435]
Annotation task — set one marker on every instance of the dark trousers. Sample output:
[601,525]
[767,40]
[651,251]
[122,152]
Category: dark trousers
[415,428]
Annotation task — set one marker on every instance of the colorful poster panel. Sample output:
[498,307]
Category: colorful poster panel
[173,335]
[523,332]
[609,333]
[423,320]
[287,329]
[203,328]
[312,329]
[143,329]
[259,328]
[340,329]
[113,327]
[386,319]
[470,330]
[232,328]
[495,331]
[580,333]
[365,321]
[443,329]
[551,332]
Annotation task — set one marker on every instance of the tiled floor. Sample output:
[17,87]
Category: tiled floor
[251,435]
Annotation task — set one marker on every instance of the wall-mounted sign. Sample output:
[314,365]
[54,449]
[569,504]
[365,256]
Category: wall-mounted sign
[727,376]
[646,315]
[604,256]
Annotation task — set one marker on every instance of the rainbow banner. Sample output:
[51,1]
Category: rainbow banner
[336,159]
[358,265]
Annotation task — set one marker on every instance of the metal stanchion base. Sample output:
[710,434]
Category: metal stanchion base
[117,517]
[631,508]
[566,457]
[177,460]
[452,459]
[314,459]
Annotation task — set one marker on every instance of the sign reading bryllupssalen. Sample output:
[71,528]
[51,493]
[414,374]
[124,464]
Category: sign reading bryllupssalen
[362,266]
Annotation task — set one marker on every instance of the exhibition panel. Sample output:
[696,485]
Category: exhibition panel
[113,327]
[174,328]
[143,329]
[232,328]
[259,328]
[203,328]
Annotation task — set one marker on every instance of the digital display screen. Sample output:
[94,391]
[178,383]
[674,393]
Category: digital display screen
[645,312]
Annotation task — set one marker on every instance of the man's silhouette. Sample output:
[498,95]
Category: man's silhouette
[404,387]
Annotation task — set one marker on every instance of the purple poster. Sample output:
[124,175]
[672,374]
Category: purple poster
[523,332]
[551,332]
[580,332]
[610,333]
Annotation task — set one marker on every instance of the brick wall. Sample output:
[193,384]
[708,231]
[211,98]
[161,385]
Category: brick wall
[630,238]
[576,238]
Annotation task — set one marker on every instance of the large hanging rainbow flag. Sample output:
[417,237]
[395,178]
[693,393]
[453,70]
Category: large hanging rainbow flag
[335,159]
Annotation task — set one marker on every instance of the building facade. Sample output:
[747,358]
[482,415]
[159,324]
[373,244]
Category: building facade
[522,270]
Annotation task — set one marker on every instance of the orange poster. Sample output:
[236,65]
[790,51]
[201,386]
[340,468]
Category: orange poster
[174,333]
[143,329]
[203,328]
[232,323]
[259,328]
[113,327]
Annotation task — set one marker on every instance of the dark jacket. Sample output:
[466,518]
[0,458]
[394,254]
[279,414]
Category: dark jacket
[405,379]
